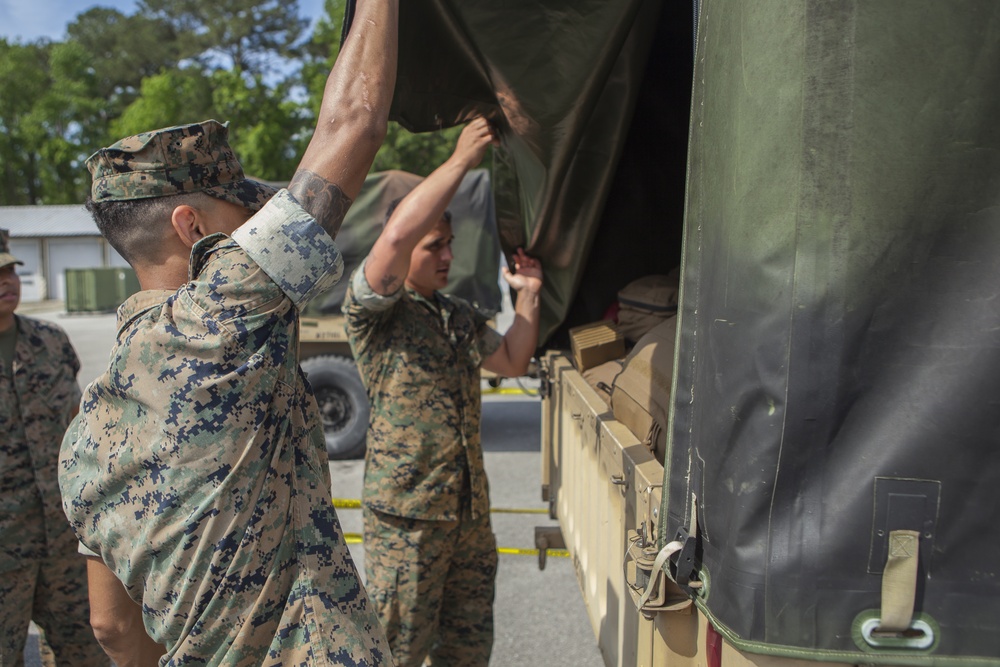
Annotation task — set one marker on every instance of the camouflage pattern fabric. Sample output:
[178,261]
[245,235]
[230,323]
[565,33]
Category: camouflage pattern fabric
[197,469]
[420,360]
[53,593]
[424,474]
[41,576]
[440,570]
[174,160]
[6,259]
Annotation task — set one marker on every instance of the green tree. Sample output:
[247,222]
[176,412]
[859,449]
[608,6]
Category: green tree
[123,50]
[251,36]
[266,126]
[45,99]
[173,97]
[321,51]
[23,79]
[67,113]
[416,153]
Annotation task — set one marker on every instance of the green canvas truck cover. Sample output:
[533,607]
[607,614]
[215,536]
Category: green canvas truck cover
[837,369]
[838,168]
[563,81]
[475,270]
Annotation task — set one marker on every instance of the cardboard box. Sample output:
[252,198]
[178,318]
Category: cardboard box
[595,343]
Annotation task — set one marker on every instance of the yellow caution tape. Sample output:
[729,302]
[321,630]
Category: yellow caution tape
[355,538]
[508,391]
[558,553]
[355,504]
[508,510]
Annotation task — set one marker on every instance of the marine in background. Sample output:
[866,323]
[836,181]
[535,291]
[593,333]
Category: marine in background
[42,577]
[430,552]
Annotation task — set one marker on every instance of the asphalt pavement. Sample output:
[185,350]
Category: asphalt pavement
[540,617]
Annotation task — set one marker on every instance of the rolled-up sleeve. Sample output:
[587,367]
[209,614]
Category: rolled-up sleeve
[291,248]
[368,298]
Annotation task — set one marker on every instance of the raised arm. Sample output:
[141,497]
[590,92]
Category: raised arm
[353,117]
[418,212]
[514,354]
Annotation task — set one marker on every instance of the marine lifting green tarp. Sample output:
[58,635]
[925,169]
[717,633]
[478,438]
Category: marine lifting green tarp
[475,269]
[561,80]
[837,376]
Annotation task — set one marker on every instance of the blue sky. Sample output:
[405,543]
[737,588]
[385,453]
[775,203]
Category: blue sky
[28,20]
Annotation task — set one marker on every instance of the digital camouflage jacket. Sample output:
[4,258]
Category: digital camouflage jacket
[37,402]
[420,361]
[198,469]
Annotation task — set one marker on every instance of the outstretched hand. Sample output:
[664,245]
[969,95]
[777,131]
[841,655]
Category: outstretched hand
[475,138]
[527,273]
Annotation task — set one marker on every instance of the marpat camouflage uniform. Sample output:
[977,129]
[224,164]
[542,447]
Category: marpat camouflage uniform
[42,578]
[198,471]
[430,553]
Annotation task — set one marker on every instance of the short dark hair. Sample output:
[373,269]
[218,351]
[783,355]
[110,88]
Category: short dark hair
[395,202]
[135,227]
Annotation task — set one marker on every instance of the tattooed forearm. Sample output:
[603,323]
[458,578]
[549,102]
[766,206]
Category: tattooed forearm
[389,284]
[325,200]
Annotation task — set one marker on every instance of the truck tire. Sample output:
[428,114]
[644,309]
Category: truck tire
[343,404]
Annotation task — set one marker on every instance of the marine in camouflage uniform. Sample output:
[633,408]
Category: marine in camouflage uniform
[197,467]
[430,552]
[42,578]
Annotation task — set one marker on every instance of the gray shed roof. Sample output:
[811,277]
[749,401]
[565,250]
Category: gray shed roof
[42,221]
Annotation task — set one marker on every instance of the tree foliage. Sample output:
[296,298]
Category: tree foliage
[123,50]
[249,62]
[245,33]
[417,153]
[172,97]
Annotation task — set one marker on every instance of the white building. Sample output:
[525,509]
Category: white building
[51,239]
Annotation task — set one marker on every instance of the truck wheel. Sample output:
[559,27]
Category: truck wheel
[343,404]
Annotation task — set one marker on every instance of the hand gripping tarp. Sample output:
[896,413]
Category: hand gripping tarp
[837,400]
[561,79]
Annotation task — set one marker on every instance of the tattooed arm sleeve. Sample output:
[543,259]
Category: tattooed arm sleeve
[323,199]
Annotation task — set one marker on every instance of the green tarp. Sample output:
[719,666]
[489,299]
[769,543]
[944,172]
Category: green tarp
[836,375]
[561,80]
[475,269]
[837,368]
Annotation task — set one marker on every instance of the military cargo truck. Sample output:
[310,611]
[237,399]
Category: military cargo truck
[826,176]
[326,356]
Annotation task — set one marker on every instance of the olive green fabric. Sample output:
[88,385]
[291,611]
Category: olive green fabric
[835,374]
[475,269]
[836,365]
[561,84]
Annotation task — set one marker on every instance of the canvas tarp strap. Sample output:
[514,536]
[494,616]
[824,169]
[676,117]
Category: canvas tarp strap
[899,581]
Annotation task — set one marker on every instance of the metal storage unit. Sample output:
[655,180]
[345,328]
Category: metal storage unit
[99,290]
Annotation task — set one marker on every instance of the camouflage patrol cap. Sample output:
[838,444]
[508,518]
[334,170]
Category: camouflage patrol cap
[6,259]
[175,160]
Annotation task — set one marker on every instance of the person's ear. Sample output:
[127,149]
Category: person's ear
[186,222]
